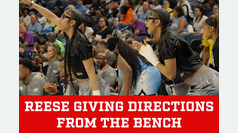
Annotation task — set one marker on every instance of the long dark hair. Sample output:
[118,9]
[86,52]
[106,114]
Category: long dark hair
[179,9]
[132,57]
[75,15]
[106,22]
[164,17]
[201,10]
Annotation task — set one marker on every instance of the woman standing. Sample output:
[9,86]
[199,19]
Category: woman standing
[78,48]
[177,62]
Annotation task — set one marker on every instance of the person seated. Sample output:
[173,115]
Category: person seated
[166,5]
[81,7]
[179,23]
[137,26]
[139,7]
[25,51]
[103,48]
[51,37]
[207,51]
[126,17]
[55,57]
[116,31]
[146,11]
[27,37]
[199,19]
[156,4]
[129,4]
[42,20]
[21,55]
[215,9]
[95,19]
[57,11]
[94,7]
[88,31]
[103,32]
[41,56]
[105,70]
[50,27]
[211,4]
[35,27]
[26,18]
[186,5]
[70,89]
[30,83]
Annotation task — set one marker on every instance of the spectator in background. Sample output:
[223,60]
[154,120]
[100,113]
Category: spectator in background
[70,7]
[215,9]
[156,4]
[41,51]
[183,4]
[139,7]
[20,22]
[42,39]
[55,57]
[211,31]
[57,11]
[126,17]
[146,11]
[42,20]
[21,55]
[129,4]
[25,51]
[50,27]
[199,19]
[166,5]
[116,31]
[95,19]
[103,31]
[80,7]
[105,70]
[70,2]
[51,37]
[179,23]
[137,25]
[211,4]
[26,18]
[103,48]
[88,31]
[94,7]
[30,83]
[194,3]
[27,37]
[35,27]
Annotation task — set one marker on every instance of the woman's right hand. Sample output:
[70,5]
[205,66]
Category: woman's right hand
[25,1]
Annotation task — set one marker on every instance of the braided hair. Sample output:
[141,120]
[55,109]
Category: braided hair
[164,17]
[132,57]
[75,15]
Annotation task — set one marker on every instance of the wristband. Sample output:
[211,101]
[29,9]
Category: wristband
[96,92]
[149,54]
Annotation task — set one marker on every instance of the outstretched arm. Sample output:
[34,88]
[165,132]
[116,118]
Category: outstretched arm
[45,12]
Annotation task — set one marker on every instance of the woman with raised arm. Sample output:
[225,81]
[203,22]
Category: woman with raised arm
[177,62]
[78,54]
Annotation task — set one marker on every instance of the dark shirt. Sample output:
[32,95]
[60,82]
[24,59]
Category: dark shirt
[171,45]
[215,51]
[81,49]
[209,12]
[104,33]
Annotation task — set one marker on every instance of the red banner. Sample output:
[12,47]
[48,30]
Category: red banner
[117,114]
